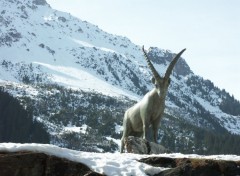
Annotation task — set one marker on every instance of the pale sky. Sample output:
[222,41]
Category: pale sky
[209,29]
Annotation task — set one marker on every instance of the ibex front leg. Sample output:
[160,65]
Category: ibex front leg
[145,121]
[155,127]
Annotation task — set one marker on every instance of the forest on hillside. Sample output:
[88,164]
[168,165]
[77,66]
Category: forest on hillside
[101,114]
[17,124]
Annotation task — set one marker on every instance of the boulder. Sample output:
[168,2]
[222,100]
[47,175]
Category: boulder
[193,166]
[141,146]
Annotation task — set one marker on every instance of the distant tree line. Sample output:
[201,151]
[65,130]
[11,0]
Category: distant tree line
[17,124]
[187,138]
[102,114]
[230,105]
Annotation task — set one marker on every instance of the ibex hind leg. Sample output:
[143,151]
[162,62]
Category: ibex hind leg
[126,132]
[122,143]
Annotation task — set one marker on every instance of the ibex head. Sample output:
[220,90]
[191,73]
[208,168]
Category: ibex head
[162,83]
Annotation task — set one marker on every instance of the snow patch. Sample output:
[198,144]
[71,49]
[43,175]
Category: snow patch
[105,163]
[82,129]
[80,79]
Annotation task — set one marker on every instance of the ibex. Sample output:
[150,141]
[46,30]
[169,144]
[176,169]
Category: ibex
[149,111]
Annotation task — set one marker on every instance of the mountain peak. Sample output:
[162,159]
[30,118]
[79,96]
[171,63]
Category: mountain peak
[161,56]
[40,2]
[29,2]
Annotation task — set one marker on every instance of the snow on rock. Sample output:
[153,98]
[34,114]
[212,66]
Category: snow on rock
[107,163]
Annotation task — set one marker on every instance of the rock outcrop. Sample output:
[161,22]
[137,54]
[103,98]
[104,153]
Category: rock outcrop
[39,164]
[141,146]
[187,166]
[180,166]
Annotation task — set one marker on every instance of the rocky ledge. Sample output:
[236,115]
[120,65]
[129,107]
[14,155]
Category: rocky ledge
[40,164]
[180,166]
[194,167]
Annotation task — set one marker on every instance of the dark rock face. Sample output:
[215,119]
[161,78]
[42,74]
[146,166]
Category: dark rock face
[141,146]
[39,164]
[12,36]
[162,57]
[39,2]
[186,166]
[180,166]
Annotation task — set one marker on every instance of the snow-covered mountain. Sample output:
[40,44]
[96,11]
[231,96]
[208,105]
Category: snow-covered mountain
[79,80]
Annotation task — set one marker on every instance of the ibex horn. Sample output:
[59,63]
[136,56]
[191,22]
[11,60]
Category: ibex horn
[172,64]
[150,65]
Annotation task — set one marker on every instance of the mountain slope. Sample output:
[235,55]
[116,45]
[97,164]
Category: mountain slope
[75,76]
